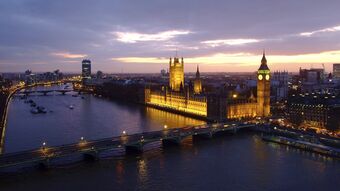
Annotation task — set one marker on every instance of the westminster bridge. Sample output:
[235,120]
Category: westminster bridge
[45,155]
[45,92]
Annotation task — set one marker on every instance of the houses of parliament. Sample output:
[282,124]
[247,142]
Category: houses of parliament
[213,106]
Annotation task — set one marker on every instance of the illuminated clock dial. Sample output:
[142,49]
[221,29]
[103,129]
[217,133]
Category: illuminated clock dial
[267,77]
[260,77]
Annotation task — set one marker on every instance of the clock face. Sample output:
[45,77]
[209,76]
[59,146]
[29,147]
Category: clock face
[267,77]
[260,77]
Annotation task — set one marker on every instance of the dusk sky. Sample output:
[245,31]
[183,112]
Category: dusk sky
[140,36]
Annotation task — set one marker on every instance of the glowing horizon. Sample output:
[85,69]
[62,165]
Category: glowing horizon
[243,59]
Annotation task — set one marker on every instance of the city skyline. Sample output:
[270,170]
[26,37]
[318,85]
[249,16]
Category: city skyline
[125,36]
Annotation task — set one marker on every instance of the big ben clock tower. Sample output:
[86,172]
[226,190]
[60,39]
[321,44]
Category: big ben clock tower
[263,89]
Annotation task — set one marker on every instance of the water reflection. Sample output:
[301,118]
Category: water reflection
[90,117]
[120,170]
[170,119]
[142,171]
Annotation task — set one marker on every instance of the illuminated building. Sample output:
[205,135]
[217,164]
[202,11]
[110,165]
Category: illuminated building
[86,69]
[314,110]
[263,89]
[176,81]
[212,106]
[179,101]
[197,83]
[241,108]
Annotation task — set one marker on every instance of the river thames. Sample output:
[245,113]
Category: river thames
[229,162]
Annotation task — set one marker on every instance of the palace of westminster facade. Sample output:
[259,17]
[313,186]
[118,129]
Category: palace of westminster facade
[212,106]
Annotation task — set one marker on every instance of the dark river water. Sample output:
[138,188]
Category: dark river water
[229,162]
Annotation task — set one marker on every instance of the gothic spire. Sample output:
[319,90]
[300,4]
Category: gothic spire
[264,62]
[197,72]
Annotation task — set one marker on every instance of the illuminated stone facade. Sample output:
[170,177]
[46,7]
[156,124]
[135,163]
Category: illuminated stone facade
[217,107]
[179,101]
[242,109]
[176,71]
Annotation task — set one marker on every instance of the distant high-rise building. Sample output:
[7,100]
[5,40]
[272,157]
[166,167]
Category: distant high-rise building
[86,69]
[29,77]
[263,89]
[197,83]
[336,70]
[280,84]
[311,76]
[176,74]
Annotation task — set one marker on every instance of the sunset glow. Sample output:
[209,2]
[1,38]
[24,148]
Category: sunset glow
[68,55]
[244,59]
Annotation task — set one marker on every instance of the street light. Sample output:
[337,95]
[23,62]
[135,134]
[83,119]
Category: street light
[43,148]
[165,126]
[82,141]
[124,132]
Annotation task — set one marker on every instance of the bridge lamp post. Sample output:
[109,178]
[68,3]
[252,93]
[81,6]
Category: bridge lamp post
[44,147]
[124,138]
[165,131]
[82,141]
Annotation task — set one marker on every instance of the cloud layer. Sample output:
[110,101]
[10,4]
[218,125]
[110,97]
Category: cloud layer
[140,36]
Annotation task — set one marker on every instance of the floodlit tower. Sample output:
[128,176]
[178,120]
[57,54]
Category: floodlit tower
[263,88]
[176,74]
[197,83]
